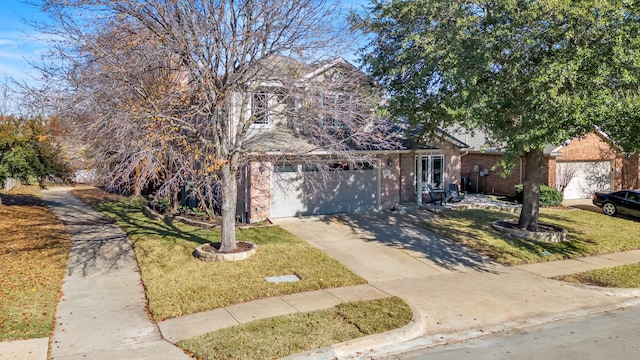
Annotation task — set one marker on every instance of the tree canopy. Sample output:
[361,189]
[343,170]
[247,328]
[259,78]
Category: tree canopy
[27,150]
[175,91]
[529,73]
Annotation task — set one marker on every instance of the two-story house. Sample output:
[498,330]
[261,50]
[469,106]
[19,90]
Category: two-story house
[298,168]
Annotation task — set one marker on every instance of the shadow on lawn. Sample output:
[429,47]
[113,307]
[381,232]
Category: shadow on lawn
[20,200]
[30,228]
[136,224]
[512,251]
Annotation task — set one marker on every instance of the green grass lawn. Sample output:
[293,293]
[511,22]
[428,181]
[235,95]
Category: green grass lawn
[589,233]
[625,276]
[281,336]
[176,283]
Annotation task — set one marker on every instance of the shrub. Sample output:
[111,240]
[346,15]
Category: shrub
[548,196]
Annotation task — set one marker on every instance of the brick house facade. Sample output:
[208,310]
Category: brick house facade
[592,151]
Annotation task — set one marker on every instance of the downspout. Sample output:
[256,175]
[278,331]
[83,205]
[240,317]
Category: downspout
[245,212]
[419,180]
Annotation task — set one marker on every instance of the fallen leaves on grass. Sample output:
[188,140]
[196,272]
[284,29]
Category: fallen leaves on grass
[34,248]
[94,196]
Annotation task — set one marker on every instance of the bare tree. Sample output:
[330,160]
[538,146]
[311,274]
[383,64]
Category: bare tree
[171,91]
[566,172]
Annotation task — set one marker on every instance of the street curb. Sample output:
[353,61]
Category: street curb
[613,292]
[429,341]
[412,330]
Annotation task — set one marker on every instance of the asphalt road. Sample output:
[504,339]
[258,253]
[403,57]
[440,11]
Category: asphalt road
[609,335]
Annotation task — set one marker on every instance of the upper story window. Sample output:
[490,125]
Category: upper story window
[260,108]
[337,110]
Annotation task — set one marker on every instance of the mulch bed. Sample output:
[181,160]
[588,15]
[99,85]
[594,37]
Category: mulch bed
[241,246]
[543,228]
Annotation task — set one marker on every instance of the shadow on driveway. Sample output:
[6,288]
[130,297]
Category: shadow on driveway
[399,230]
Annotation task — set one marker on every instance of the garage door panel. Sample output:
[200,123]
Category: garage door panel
[286,194]
[344,191]
[585,178]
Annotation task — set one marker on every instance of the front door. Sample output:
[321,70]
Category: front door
[432,171]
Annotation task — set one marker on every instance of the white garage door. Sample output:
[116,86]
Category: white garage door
[584,178]
[344,191]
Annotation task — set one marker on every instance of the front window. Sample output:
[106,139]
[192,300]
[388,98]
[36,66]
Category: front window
[260,108]
[336,110]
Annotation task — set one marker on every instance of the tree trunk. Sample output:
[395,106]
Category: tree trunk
[228,208]
[175,202]
[531,191]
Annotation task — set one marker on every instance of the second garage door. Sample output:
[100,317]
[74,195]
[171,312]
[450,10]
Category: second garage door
[292,192]
[585,178]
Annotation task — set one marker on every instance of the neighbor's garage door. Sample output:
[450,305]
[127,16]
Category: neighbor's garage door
[585,178]
[292,193]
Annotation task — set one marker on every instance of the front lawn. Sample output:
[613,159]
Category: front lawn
[281,336]
[176,283]
[34,248]
[624,276]
[589,234]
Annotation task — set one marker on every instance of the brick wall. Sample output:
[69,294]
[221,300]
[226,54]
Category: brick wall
[452,161]
[591,147]
[259,191]
[494,183]
[389,180]
[594,147]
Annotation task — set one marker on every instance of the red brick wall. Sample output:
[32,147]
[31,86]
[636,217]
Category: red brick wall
[407,177]
[494,183]
[593,147]
[259,191]
[630,174]
[407,169]
[389,180]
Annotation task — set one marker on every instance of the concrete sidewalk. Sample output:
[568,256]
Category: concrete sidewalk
[102,313]
[455,294]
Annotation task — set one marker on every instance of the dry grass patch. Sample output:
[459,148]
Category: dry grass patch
[177,283]
[94,196]
[34,248]
[589,234]
[625,276]
[281,336]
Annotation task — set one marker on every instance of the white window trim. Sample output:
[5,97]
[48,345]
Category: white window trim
[267,116]
[429,171]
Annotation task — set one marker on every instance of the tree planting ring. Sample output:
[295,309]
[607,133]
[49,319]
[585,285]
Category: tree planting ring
[546,232]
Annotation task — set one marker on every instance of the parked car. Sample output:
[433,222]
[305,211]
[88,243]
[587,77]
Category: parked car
[626,202]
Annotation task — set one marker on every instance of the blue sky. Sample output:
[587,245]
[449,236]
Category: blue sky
[17,39]
[18,42]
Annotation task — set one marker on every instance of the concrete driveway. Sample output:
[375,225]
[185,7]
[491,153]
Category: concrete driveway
[455,293]
[582,204]
[382,246]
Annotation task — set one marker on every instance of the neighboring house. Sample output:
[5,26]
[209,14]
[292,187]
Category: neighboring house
[286,187]
[579,167]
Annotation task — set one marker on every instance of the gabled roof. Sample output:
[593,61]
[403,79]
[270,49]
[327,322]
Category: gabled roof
[480,141]
[558,149]
[326,65]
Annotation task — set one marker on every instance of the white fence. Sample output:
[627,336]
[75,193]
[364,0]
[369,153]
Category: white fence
[11,183]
